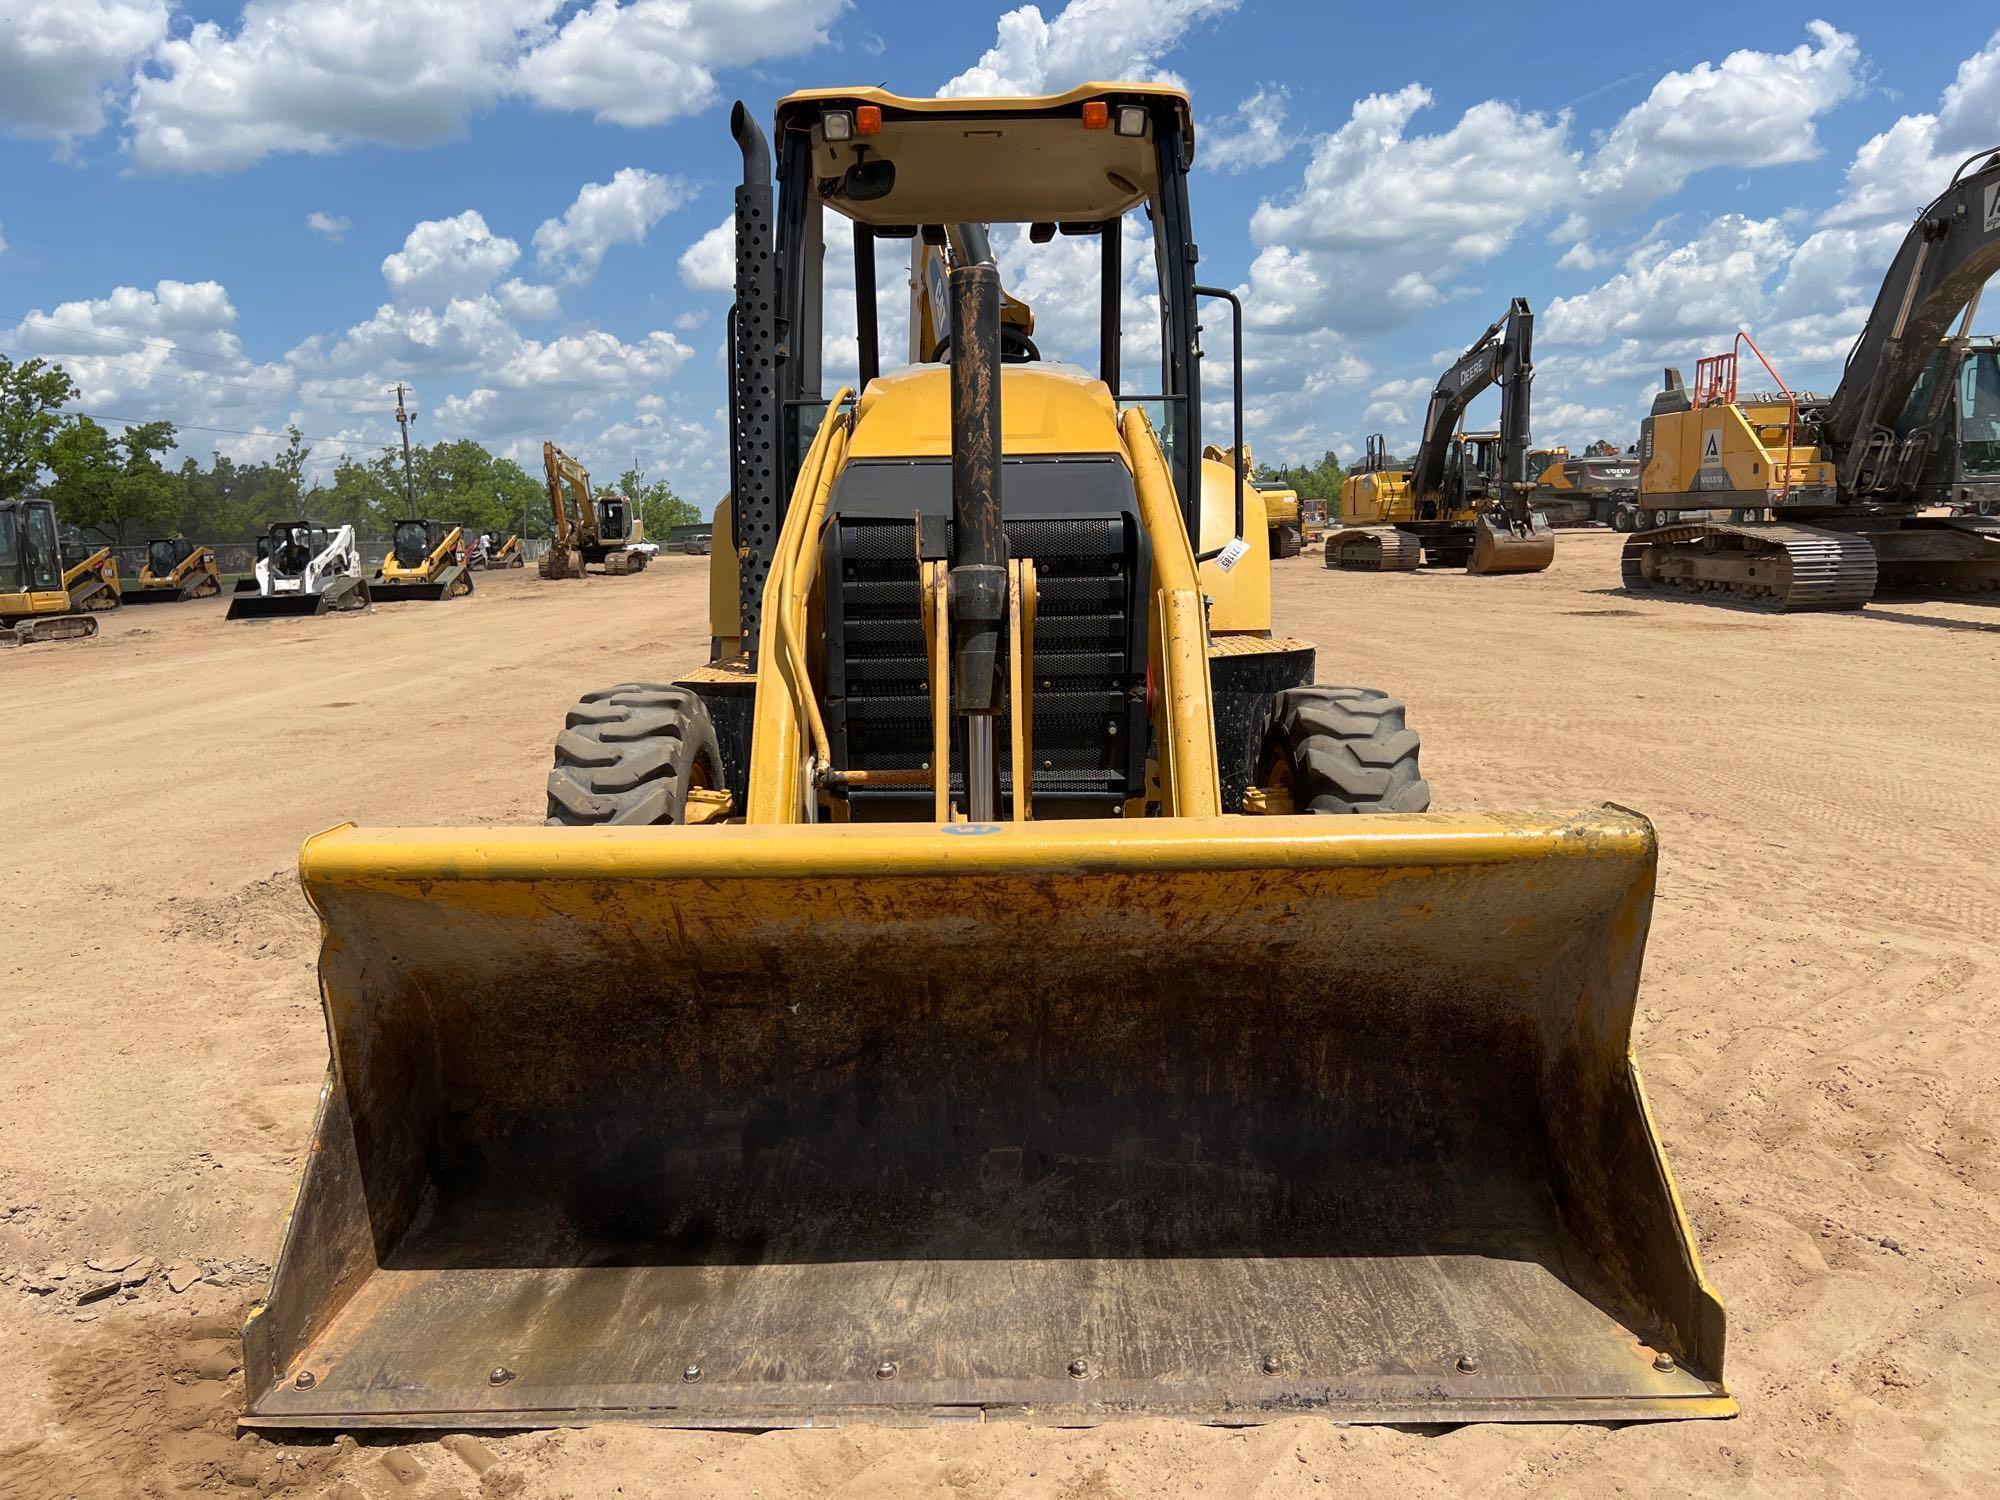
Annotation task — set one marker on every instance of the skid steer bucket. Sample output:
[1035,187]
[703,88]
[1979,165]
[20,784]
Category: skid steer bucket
[745,1127]
[275,606]
[447,585]
[1499,547]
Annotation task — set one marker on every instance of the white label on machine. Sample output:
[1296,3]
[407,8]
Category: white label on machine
[1711,446]
[1993,208]
[1233,554]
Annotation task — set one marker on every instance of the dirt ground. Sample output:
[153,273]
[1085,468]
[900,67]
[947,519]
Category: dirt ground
[1818,1024]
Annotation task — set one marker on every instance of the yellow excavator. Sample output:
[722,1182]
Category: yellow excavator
[175,571]
[589,528]
[1462,501]
[44,596]
[1000,983]
[1892,482]
[425,561]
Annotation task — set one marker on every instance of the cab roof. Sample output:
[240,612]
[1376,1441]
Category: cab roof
[1015,159]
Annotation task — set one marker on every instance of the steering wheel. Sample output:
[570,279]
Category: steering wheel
[1016,348]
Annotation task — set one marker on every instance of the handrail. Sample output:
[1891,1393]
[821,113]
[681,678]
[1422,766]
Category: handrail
[1715,385]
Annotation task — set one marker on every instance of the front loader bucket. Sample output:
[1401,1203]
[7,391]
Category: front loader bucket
[1500,547]
[744,1127]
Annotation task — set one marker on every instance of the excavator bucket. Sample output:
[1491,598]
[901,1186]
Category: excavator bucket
[757,1126]
[1501,547]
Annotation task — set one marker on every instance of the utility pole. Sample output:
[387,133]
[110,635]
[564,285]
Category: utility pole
[403,419]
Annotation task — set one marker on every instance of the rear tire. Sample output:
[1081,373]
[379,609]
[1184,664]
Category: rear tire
[1343,750]
[630,755]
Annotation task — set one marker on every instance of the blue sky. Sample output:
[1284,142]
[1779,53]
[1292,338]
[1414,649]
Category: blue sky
[512,194]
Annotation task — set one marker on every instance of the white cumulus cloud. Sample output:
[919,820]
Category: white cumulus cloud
[618,212]
[709,264]
[1253,135]
[442,258]
[329,226]
[1088,39]
[60,60]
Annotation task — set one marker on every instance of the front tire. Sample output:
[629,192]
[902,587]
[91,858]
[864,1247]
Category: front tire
[630,755]
[1343,750]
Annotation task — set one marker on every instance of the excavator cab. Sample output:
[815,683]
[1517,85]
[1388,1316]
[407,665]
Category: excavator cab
[35,603]
[1003,982]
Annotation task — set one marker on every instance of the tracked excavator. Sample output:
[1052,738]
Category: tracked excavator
[44,595]
[1598,489]
[590,529]
[1852,481]
[1462,502]
[1000,983]
[424,562]
[175,571]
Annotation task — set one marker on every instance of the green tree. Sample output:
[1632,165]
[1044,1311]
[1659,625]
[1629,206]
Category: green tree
[658,507]
[115,484]
[33,394]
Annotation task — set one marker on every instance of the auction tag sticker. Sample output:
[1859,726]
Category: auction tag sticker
[1233,554]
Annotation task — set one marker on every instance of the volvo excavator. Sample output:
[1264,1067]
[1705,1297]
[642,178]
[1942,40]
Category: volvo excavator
[1001,982]
[424,562]
[175,571]
[588,528]
[1462,501]
[1853,481]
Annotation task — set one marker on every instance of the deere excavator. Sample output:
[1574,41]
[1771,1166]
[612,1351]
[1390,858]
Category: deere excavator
[424,562]
[1852,481]
[44,596]
[999,983]
[589,528]
[1462,501]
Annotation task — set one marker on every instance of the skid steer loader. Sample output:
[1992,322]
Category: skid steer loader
[423,563]
[303,568]
[175,571]
[999,983]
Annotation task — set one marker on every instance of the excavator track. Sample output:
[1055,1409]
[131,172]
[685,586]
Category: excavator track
[1373,549]
[1789,569]
[1940,557]
[77,627]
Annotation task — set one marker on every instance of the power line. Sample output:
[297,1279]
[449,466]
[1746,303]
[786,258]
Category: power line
[231,431]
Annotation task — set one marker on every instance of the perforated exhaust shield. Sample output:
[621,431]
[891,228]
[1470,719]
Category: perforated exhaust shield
[749,1127]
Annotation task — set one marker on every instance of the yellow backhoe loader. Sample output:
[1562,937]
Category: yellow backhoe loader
[999,983]
[1854,483]
[424,562]
[589,528]
[1462,502]
[175,571]
[43,596]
